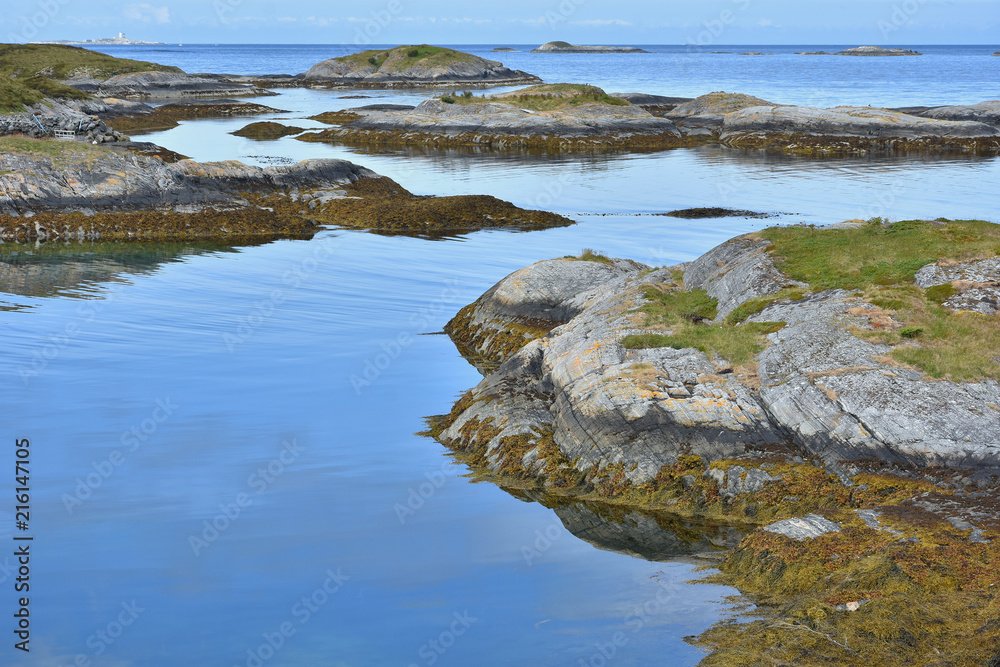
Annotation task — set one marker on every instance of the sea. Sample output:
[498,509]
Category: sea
[223,448]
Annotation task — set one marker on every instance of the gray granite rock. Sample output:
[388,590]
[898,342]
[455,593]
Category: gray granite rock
[806,528]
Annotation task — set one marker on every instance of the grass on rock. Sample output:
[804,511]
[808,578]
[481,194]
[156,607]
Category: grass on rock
[31,72]
[545,97]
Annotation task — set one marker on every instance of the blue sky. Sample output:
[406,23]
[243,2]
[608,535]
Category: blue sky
[511,21]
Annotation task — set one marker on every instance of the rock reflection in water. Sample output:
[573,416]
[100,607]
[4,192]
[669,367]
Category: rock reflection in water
[67,269]
[652,536]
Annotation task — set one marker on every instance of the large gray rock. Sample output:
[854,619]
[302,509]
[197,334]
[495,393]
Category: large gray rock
[861,122]
[735,272]
[111,180]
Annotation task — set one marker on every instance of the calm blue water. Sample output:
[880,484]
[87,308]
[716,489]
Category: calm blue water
[170,386]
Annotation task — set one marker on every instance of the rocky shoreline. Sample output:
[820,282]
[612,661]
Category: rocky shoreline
[744,387]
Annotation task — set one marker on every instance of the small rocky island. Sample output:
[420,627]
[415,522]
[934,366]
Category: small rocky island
[549,116]
[566,47]
[420,65]
[838,388]
[504,49]
[863,51]
[877,51]
[566,117]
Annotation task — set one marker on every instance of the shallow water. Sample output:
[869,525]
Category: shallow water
[215,372]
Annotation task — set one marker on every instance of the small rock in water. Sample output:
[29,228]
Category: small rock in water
[808,527]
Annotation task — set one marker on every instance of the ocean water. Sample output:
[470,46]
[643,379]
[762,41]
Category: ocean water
[224,466]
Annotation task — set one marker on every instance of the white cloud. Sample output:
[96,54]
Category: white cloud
[146,13]
[600,22]
[765,23]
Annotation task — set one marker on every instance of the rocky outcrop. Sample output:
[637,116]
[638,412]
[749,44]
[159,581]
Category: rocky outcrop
[852,129]
[414,66]
[110,180]
[984,112]
[704,115]
[504,49]
[972,286]
[877,51]
[163,85]
[565,403]
[565,47]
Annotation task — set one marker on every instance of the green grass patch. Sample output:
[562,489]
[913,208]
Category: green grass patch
[876,254]
[686,314]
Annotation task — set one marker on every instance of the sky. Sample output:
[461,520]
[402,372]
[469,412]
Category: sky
[846,22]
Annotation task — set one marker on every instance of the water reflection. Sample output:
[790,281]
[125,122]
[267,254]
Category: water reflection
[650,535]
[75,270]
